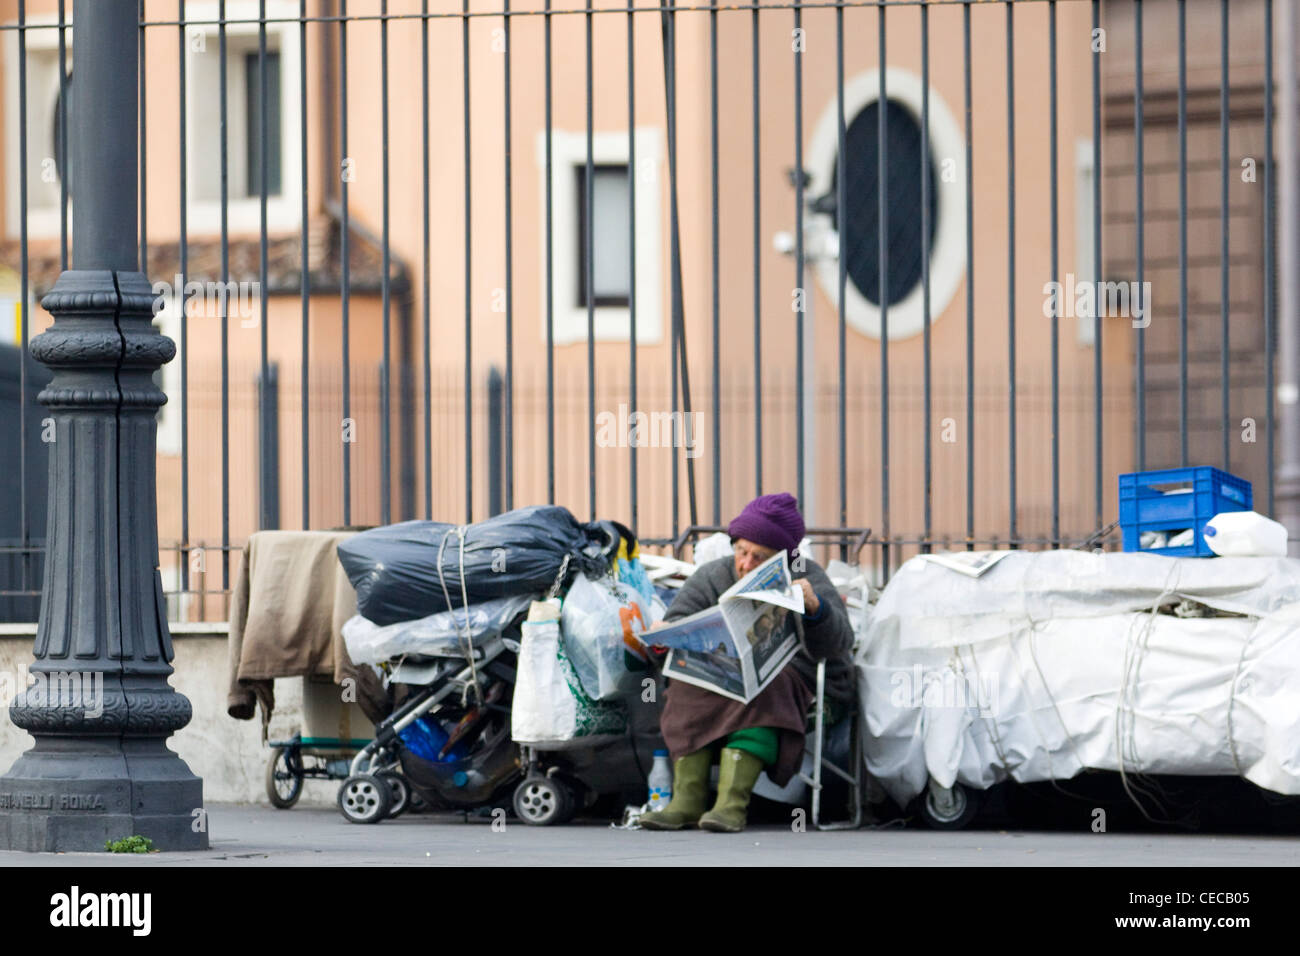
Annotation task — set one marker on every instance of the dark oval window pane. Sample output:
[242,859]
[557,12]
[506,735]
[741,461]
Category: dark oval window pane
[860,237]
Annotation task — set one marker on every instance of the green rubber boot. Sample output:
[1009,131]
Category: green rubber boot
[738,771]
[690,790]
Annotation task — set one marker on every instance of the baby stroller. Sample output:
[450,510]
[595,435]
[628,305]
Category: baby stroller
[448,741]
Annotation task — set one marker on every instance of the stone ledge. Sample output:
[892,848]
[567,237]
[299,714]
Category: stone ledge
[186,629]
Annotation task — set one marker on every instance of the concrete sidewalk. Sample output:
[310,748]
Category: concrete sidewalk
[244,835]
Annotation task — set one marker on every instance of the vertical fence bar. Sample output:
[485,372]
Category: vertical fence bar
[495,393]
[63,132]
[469,309]
[668,22]
[1269,249]
[804,294]
[386,286]
[509,391]
[713,171]
[550,283]
[882,264]
[1182,231]
[926,344]
[1224,343]
[426,346]
[223,107]
[1138,176]
[1097,269]
[143,133]
[631,229]
[1056,274]
[588,252]
[183,209]
[970,284]
[758,274]
[266,393]
[841,223]
[680,364]
[345,177]
[24,531]
[1011,269]
[304,275]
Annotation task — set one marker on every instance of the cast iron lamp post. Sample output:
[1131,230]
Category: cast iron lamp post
[101,709]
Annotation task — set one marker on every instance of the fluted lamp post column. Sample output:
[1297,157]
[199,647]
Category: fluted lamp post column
[99,705]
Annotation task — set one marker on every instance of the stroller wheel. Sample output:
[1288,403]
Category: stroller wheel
[284,778]
[399,791]
[542,801]
[364,799]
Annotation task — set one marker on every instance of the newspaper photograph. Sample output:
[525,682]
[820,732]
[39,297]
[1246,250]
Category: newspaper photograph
[738,646]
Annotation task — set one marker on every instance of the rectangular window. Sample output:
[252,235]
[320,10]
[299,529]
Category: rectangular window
[611,274]
[253,97]
[616,158]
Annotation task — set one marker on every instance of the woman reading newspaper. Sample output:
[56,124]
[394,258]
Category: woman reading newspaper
[767,732]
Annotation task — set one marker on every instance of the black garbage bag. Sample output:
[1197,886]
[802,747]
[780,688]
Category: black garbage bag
[395,569]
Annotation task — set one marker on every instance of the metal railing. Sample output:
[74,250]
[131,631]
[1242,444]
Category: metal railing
[723,90]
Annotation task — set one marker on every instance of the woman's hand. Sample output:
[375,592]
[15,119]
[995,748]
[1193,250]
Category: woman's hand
[657,648]
[811,604]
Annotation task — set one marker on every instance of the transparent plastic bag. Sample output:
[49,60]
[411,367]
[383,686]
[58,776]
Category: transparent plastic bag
[550,708]
[438,635]
[601,622]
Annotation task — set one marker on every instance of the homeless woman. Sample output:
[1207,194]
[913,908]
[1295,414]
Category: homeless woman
[768,732]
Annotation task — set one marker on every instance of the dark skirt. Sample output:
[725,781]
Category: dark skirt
[693,718]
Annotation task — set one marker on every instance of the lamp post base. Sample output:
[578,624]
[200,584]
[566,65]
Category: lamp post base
[76,794]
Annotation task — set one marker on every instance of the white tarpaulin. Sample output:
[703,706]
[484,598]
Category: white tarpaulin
[1053,662]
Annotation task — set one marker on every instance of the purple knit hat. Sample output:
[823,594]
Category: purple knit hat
[772,521]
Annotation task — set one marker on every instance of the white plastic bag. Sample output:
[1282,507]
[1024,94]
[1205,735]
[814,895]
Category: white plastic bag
[549,707]
[601,622]
[438,634]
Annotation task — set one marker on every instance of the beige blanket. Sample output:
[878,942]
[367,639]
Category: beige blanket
[290,601]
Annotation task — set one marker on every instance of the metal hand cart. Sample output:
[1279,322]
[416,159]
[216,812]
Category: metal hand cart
[294,760]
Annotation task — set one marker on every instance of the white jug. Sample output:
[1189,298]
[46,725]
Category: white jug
[1244,534]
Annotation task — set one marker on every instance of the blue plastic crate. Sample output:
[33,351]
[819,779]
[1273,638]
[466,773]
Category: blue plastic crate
[1178,498]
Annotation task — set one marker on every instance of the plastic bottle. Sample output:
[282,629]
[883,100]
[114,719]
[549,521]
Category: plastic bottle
[1239,534]
[661,781]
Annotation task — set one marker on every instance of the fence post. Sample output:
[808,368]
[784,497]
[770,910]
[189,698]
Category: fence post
[496,416]
[101,709]
[1287,493]
[268,446]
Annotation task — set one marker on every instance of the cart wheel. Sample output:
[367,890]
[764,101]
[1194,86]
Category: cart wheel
[959,812]
[364,799]
[399,791]
[543,801]
[284,778]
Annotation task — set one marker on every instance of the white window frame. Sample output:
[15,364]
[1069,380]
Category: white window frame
[612,323]
[948,256]
[202,108]
[42,90]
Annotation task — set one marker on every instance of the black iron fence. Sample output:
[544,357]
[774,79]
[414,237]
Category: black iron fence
[942,270]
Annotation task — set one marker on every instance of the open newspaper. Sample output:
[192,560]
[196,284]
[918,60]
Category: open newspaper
[737,647]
